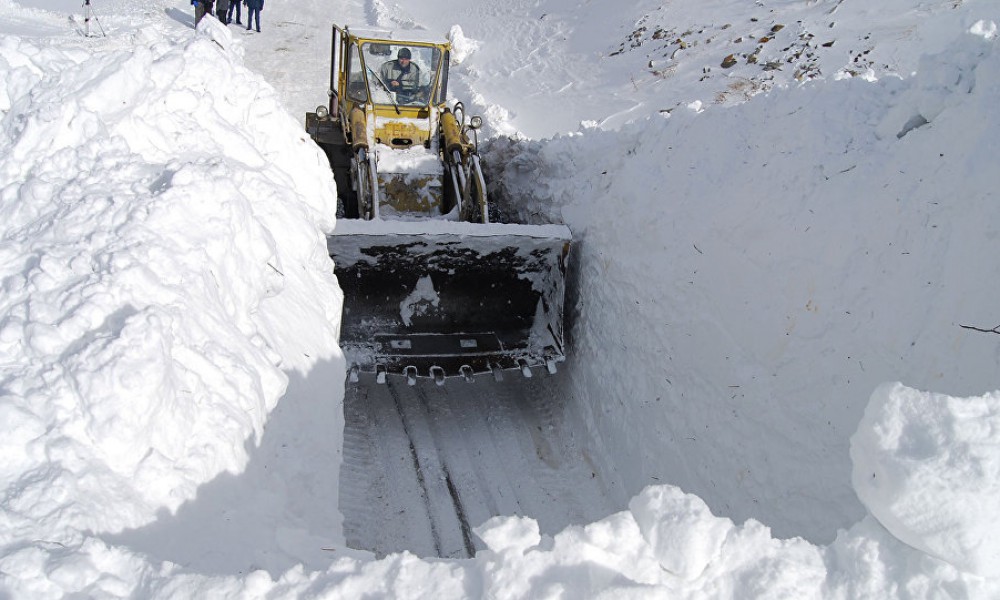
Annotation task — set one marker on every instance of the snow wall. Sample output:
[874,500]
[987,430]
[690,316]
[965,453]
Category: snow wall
[745,277]
[165,284]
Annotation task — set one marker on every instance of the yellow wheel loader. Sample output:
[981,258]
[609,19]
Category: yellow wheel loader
[432,287]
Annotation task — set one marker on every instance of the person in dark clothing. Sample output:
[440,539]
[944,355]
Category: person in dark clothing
[221,9]
[254,8]
[402,76]
[229,16]
[201,8]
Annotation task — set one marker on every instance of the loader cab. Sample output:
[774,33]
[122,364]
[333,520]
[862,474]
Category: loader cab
[424,64]
[396,119]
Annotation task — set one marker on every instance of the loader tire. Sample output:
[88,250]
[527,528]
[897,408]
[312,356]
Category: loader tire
[364,191]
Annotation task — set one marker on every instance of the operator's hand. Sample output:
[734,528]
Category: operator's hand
[394,83]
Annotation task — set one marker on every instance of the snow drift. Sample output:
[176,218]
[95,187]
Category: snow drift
[163,271]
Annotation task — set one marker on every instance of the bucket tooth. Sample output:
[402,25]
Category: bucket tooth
[525,369]
[411,375]
[467,373]
[380,373]
[353,374]
[497,373]
[550,365]
[438,374]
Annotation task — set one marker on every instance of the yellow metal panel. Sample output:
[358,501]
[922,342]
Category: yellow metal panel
[393,133]
[359,130]
[409,194]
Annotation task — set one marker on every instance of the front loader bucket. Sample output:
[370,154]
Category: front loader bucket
[445,298]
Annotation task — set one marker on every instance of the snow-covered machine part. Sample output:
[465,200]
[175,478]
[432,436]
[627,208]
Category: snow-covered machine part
[431,287]
[456,299]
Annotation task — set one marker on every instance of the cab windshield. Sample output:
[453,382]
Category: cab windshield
[394,79]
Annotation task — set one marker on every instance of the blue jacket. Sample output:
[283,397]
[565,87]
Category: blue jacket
[258,4]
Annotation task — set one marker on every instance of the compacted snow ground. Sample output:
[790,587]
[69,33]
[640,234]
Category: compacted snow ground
[424,464]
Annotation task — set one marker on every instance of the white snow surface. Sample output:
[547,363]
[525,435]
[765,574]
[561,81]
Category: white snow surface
[918,456]
[758,249]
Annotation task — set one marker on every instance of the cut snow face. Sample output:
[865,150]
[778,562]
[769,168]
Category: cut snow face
[172,391]
[740,300]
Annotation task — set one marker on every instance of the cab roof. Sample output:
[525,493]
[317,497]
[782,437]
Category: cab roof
[419,36]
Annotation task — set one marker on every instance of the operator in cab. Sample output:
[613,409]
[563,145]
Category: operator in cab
[402,76]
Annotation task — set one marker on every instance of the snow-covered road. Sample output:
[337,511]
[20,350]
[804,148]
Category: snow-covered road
[424,464]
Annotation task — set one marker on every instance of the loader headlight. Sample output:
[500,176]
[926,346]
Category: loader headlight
[476,122]
[322,112]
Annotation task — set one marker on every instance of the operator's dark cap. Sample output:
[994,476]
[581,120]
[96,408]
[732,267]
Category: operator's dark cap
[403,53]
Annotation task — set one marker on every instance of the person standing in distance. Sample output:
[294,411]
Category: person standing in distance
[254,7]
[229,16]
[200,8]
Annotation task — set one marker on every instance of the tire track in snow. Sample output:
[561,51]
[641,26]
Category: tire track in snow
[387,512]
[445,517]
[357,460]
[427,464]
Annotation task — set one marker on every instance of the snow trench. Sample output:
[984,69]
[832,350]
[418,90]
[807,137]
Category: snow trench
[169,365]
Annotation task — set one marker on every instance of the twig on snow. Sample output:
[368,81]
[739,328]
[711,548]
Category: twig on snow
[995,330]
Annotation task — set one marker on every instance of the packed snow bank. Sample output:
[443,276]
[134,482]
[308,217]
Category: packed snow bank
[164,272]
[927,466]
[744,277]
[667,544]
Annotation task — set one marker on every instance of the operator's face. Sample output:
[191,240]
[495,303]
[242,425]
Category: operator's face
[405,62]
